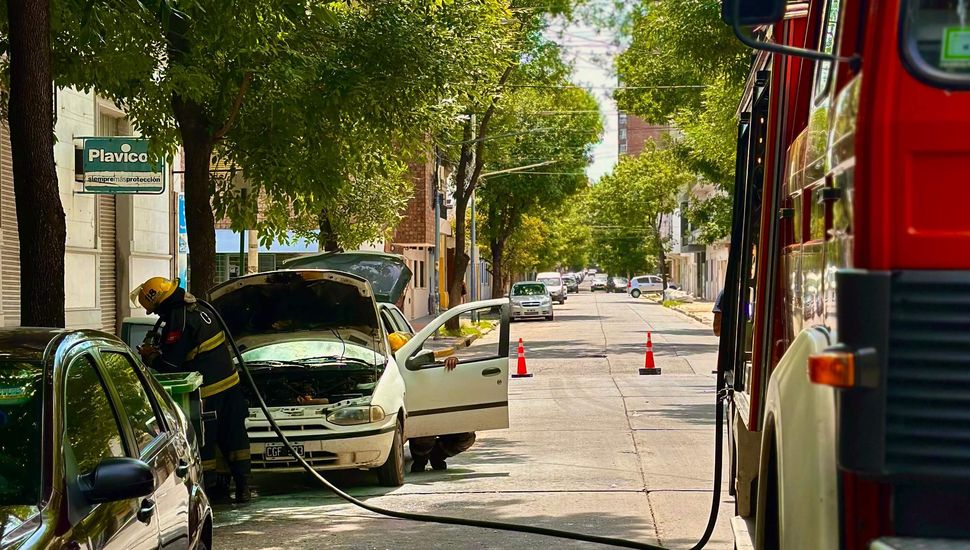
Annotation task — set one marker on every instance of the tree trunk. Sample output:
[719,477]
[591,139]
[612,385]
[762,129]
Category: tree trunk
[498,271]
[40,215]
[328,239]
[459,261]
[200,222]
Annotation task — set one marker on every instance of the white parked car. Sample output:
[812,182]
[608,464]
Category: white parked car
[531,299]
[555,284]
[645,283]
[316,342]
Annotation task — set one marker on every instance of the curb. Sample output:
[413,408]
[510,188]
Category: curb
[686,313]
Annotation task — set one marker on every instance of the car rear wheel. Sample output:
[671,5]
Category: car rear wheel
[635,293]
[391,473]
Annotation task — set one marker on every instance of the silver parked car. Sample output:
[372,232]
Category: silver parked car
[531,300]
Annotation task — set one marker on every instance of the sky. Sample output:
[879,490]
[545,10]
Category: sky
[591,52]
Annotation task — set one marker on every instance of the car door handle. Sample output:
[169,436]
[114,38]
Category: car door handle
[146,511]
[491,371]
[182,469]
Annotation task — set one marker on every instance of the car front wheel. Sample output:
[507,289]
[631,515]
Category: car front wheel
[635,293]
[391,473]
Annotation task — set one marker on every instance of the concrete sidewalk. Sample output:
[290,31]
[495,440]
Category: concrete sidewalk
[699,310]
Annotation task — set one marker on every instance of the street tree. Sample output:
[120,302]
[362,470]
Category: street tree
[544,124]
[26,25]
[694,81]
[629,206]
[465,144]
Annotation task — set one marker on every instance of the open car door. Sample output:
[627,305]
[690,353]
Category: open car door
[472,397]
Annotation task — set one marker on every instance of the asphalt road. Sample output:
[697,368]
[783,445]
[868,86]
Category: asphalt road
[593,447]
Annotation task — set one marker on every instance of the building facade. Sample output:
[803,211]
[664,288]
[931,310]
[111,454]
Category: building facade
[114,242]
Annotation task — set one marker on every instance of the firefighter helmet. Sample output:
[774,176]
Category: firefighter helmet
[397,340]
[153,292]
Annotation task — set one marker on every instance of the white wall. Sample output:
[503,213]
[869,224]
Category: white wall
[76,118]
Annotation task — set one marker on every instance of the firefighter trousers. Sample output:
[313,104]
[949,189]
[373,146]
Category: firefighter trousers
[226,442]
[440,446]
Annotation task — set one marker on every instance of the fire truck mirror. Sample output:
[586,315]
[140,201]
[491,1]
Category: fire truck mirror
[750,13]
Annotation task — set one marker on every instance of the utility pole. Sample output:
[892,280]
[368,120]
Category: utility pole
[434,306]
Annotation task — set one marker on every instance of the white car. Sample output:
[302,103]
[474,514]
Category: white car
[645,283]
[555,284]
[316,342]
[530,300]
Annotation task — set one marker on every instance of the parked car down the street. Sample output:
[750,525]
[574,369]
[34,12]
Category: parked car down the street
[572,284]
[599,283]
[645,283]
[316,343]
[555,284]
[93,449]
[531,300]
[617,284]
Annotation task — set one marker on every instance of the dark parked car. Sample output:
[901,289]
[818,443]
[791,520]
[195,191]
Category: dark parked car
[617,284]
[93,452]
[572,284]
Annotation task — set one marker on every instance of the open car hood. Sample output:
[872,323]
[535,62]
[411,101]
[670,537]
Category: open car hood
[285,305]
[388,274]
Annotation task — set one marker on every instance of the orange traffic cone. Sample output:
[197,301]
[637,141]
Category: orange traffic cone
[521,371]
[648,365]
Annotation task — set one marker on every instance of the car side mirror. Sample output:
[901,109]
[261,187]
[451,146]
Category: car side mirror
[115,479]
[420,359]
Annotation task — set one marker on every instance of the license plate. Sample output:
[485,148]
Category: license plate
[277,451]
[532,312]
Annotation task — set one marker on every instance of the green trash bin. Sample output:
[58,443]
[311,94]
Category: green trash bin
[184,389]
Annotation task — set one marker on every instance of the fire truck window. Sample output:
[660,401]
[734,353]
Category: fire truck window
[937,39]
[827,44]
[817,224]
[796,204]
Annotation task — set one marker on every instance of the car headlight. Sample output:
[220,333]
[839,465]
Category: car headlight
[349,416]
[545,301]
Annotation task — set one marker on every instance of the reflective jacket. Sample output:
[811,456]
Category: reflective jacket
[192,340]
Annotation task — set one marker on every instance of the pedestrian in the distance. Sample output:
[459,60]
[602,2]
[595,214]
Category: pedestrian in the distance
[717,314]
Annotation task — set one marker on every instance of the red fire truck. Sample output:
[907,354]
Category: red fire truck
[846,331]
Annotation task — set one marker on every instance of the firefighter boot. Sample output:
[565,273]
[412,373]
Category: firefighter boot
[217,487]
[243,493]
[419,465]
[438,459]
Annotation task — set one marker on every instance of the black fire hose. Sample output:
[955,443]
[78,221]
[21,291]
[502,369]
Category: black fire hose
[609,541]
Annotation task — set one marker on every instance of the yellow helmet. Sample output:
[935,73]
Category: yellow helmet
[153,292]
[397,340]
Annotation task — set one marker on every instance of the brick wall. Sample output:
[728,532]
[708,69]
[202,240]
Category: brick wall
[417,225]
[638,133]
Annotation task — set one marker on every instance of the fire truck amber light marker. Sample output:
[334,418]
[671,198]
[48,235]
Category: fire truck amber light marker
[835,369]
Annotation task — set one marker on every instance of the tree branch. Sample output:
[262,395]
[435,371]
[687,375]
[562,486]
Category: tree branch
[236,106]
[483,129]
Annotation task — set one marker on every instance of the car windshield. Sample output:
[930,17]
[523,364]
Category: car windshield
[21,405]
[314,352]
[550,281]
[529,290]
[568,280]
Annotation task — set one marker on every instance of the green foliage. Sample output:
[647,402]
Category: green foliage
[712,217]
[697,70]
[627,209]
[554,127]
[568,237]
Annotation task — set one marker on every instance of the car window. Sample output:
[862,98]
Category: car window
[475,338]
[935,35]
[91,428]
[21,407]
[134,397]
[386,320]
[402,323]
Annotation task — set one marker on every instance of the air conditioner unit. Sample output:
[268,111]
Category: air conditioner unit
[450,202]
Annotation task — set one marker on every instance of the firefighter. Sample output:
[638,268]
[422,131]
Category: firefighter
[433,449]
[192,340]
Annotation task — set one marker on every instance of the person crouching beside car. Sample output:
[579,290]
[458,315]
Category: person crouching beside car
[435,449]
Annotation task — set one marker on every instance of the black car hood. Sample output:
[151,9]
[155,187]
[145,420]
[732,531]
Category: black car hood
[388,274]
[288,303]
